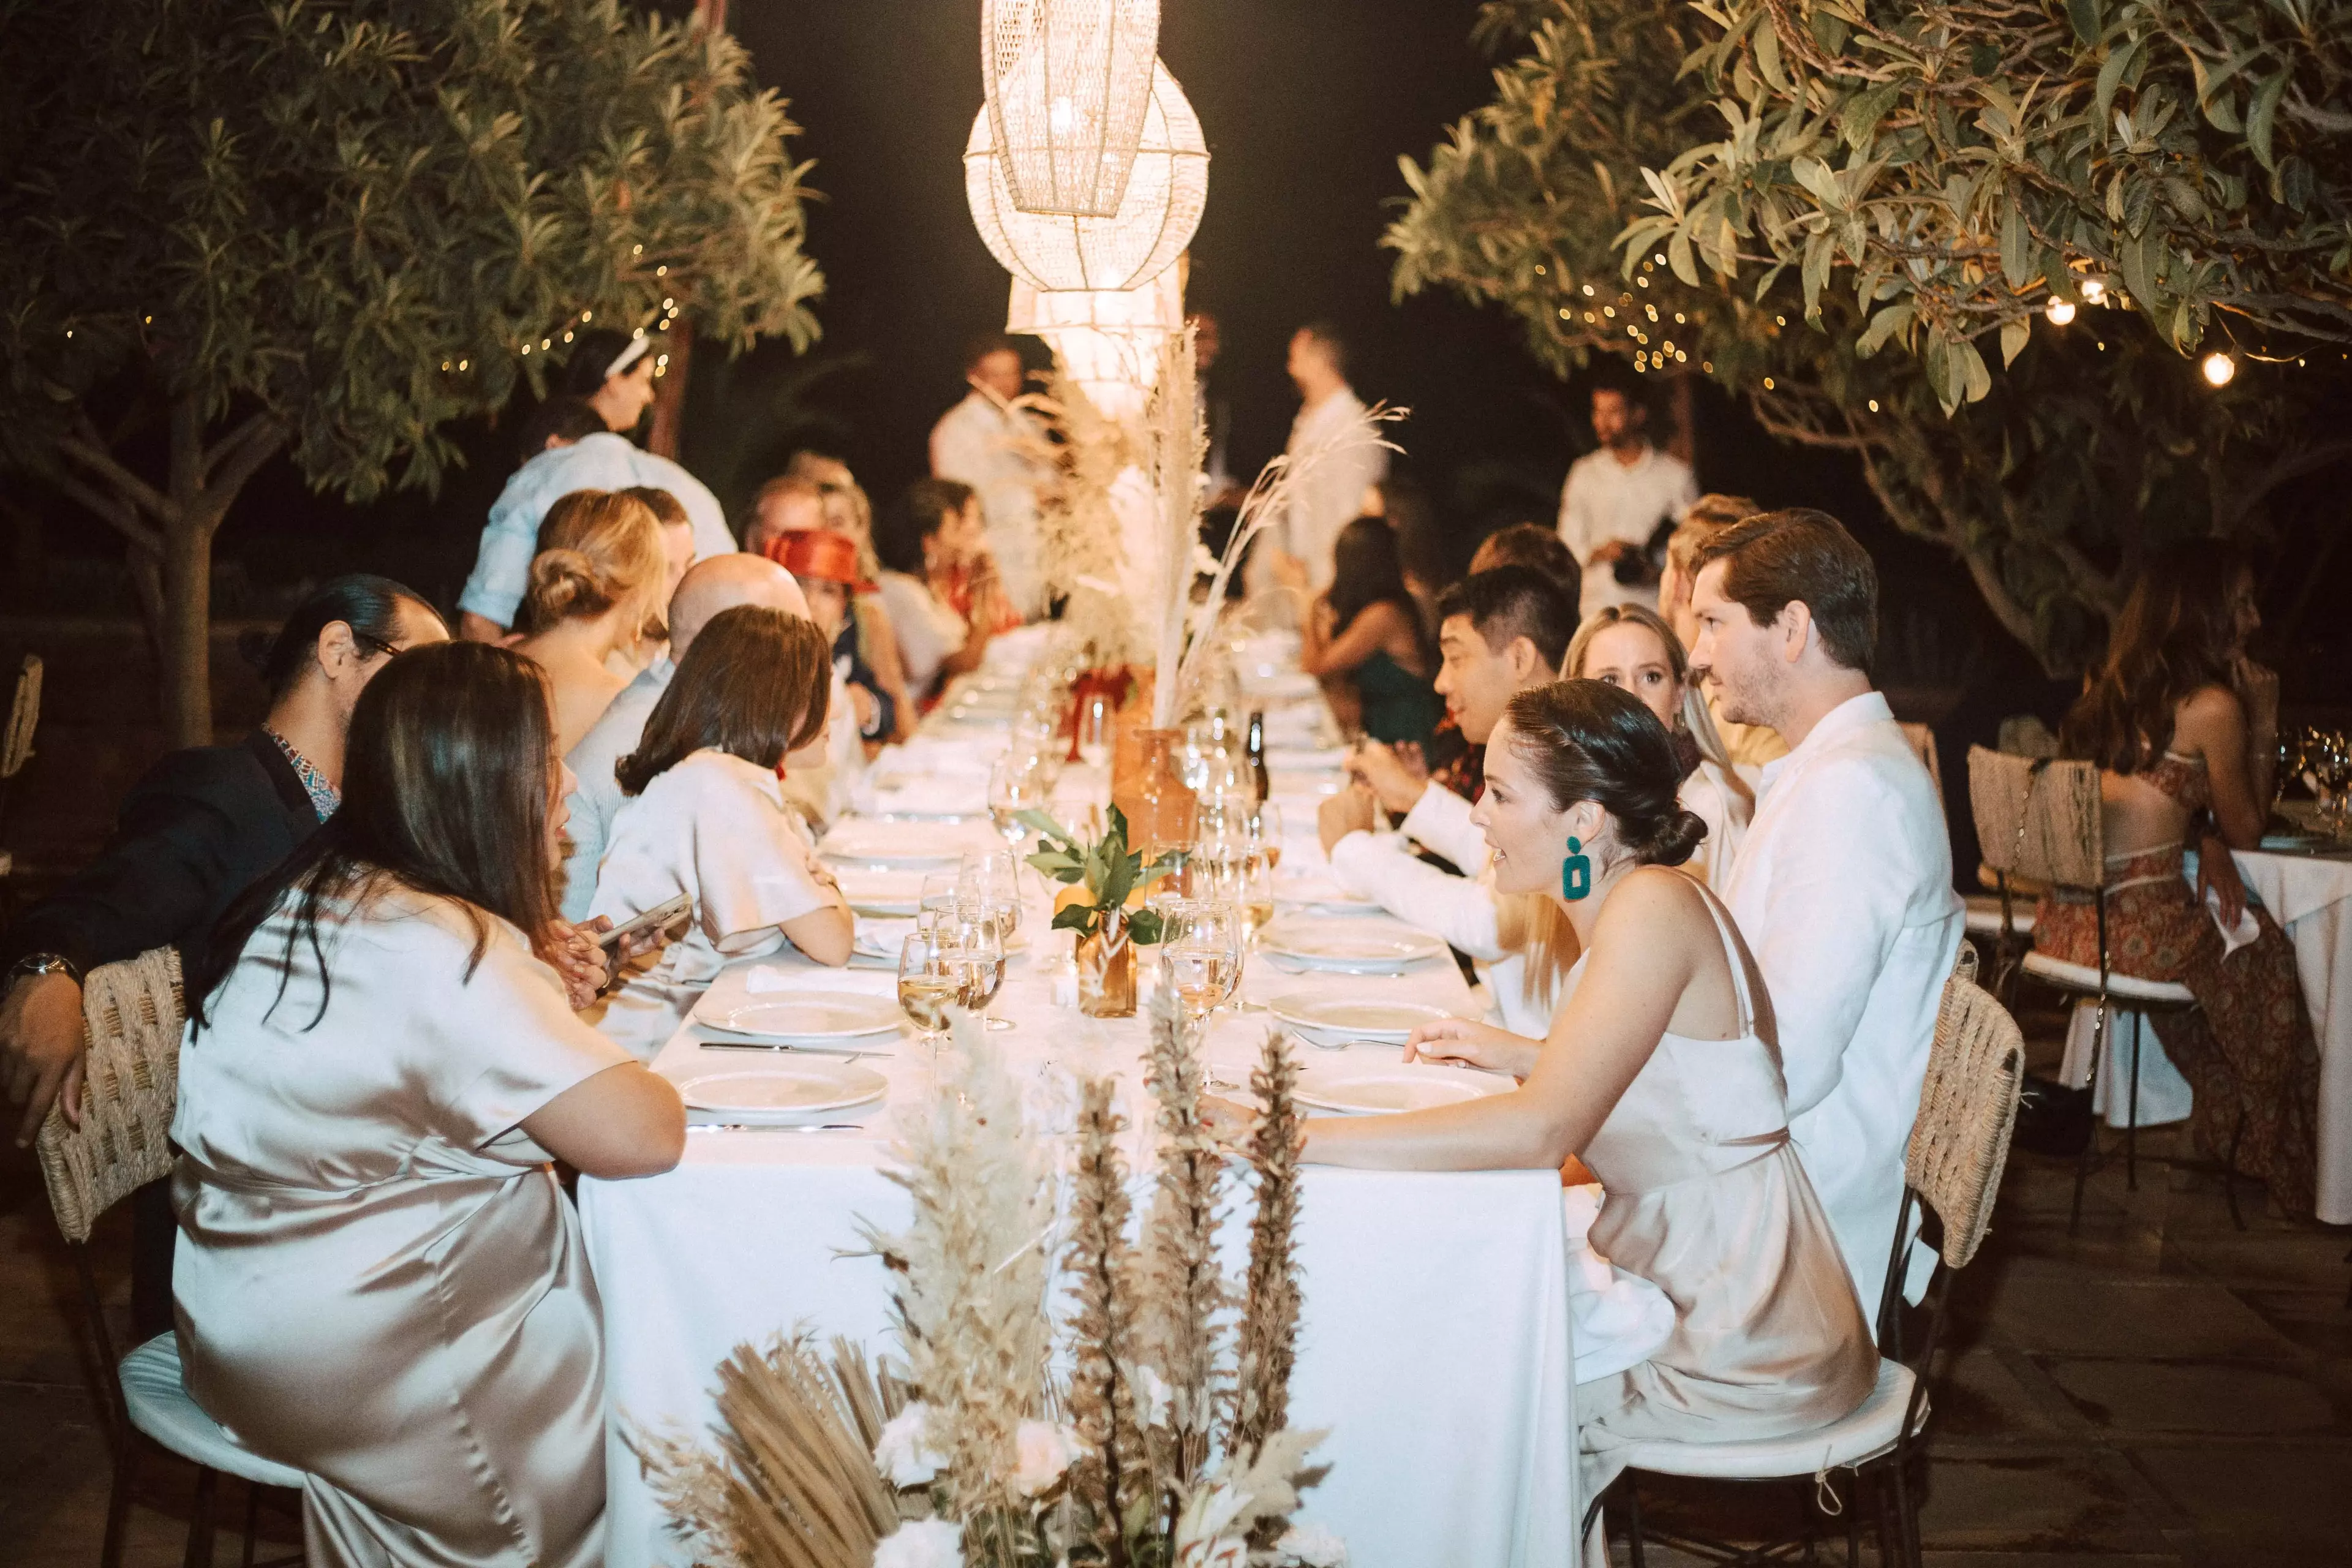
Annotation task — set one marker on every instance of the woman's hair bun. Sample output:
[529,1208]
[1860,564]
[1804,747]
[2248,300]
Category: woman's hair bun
[257,645]
[563,583]
[1673,839]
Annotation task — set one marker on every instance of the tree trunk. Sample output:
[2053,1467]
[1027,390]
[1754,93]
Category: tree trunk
[187,633]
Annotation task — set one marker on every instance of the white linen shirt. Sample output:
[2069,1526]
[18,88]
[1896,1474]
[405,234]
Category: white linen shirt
[928,633]
[718,829]
[598,799]
[1708,795]
[1461,909]
[1844,890]
[603,461]
[978,442]
[1604,501]
[1329,495]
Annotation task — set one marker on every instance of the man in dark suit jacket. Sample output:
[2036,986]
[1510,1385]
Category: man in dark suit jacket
[200,827]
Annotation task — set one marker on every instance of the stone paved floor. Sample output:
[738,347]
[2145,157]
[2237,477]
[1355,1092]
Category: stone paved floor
[2159,1390]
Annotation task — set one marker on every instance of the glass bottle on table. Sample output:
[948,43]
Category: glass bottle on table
[1256,748]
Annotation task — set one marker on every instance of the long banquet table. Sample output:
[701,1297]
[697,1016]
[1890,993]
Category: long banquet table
[1435,1338]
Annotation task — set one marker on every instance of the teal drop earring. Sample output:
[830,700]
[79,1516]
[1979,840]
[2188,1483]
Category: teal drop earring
[1575,872]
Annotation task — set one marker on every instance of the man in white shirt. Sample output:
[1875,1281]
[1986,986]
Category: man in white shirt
[1843,887]
[716,584]
[602,460]
[1336,465]
[1501,633]
[983,442]
[1615,498]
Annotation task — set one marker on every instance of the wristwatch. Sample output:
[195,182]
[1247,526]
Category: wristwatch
[35,964]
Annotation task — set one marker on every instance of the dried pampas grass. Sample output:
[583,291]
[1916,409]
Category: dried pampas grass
[1269,1331]
[1112,1481]
[793,1482]
[1184,1287]
[974,1264]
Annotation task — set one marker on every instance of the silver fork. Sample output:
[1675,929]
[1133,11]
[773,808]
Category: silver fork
[771,1127]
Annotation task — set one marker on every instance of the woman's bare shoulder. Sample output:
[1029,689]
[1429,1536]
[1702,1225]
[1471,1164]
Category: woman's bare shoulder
[2213,712]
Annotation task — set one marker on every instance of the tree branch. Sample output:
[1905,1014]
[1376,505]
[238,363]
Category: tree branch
[111,508]
[84,446]
[251,429]
[235,469]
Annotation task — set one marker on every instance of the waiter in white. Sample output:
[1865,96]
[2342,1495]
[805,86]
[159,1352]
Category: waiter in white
[1615,498]
[1843,887]
[984,442]
[1329,495]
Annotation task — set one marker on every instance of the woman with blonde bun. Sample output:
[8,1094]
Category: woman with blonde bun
[596,595]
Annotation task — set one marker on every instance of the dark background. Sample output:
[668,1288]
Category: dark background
[1307,105]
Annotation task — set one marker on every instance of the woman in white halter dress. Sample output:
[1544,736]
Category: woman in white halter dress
[1661,1075]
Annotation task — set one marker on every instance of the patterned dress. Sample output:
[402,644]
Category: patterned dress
[2246,1048]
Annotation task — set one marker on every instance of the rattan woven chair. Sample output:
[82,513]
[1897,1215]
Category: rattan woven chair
[133,1012]
[1959,1143]
[15,750]
[2039,819]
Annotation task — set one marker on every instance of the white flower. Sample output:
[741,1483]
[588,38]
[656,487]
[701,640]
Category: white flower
[1312,1546]
[1222,1552]
[1041,1451]
[1157,1397]
[921,1543]
[902,1453]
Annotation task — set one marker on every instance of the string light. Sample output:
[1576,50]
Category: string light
[2219,368]
[2094,292]
[586,316]
[2060,311]
[1588,290]
[1768,384]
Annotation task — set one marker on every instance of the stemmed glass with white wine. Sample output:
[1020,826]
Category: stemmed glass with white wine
[1202,961]
[976,956]
[928,984]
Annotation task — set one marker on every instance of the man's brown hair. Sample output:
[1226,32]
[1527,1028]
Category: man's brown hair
[1778,558]
[753,684]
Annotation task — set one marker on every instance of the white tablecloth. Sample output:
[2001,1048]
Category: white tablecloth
[2311,897]
[1435,1341]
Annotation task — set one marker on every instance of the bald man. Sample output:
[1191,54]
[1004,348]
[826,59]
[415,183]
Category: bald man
[719,582]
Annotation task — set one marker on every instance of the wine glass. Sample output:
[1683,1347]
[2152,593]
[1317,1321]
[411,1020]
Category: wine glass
[993,881]
[1203,962]
[1263,833]
[942,890]
[1094,731]
[928,987]
[970,936]
[1014,786]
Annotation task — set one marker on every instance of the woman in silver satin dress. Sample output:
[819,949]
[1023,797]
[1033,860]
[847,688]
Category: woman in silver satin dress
[1661,1075]
[378,1279]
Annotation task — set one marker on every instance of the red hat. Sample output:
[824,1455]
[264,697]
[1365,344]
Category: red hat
[821,553]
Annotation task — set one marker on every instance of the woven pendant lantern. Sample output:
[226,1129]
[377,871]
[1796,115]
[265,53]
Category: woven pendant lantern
[1108,340]
[1068,83]
[1166,189]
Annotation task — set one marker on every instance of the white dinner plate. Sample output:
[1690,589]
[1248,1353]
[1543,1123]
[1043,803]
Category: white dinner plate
[881,892]
[898,842]
[1351,946]
[1389,1089]
[1366,1018]
[809,1016]
[785,1092]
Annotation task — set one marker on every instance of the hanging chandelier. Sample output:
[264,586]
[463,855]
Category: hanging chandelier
[1167,187]
[1069,85]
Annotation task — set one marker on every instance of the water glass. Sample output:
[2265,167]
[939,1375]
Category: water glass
[928,987]
[1095,718]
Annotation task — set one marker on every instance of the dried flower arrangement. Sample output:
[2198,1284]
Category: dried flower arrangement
[1118,532]
[1162,1445]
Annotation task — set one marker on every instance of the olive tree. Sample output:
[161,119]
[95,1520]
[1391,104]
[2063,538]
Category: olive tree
[2096,444]
[326,228]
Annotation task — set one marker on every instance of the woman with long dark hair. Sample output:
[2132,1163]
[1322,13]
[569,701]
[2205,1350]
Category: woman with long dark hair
[2166,723]
[1364,639]
[1660,1073]
[380,1281]
[707,818]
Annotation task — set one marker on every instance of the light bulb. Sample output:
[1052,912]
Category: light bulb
[2060,311]
[2094,292]
[2219,368]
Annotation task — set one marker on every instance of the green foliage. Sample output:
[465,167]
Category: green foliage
[1967,162]
[366,219]
[2094,444]
[1106,867]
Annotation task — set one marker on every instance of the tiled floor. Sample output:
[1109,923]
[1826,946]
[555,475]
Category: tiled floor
[2159,1389]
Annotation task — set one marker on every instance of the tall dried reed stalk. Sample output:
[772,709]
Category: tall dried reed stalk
[1080,548]
[1112,1481]
[1177,441]
[974,1267]
[793,1483]
[1269,1330]
[1183,1287]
